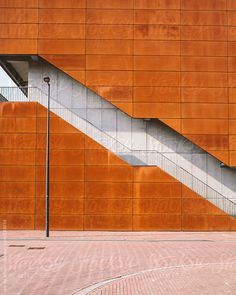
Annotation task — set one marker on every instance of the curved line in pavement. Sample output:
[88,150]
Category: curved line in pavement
[87,290]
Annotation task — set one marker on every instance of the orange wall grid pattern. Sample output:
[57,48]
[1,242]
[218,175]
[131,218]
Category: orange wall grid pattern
[91,189]
[167,59]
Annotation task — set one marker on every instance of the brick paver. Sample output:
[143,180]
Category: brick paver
[117,263]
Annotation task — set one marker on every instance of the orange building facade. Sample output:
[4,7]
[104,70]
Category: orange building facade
[172,60]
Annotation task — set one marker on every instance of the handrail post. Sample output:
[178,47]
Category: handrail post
[47,207]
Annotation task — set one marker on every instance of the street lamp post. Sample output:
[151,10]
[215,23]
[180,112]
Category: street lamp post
[47,80]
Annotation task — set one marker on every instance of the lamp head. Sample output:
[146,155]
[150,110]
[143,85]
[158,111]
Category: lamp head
[46,80]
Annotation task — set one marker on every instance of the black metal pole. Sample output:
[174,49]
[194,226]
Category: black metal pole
[47,80]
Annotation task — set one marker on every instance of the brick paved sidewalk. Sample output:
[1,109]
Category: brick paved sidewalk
[117,263]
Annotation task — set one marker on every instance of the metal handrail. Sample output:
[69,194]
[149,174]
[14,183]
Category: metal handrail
[179,172]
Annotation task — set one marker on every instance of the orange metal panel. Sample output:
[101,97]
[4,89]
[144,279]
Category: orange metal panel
[155,16]
[210,95]
[18,46]
[156,206]
[206,222]
[19,16]
[16,31]
[25,125]
[232,79]
[232,64]
[61,31]
[18,221]
[108,190]
[232,158]
[157,190]
[109,32]
[19,3]
[204,79]
[204,17]
[208,64]
[16,206]
[156,47]
[17,189]
[17,157]
[156,110]
[108,222]
[154,4]
[17,173]
[232,142]
[118,4]
[108,173]
[110,62]
[62,4]
[203,48]
[232,48]
[108,206]
[208,33]
[232,224]
[61,46]
[62,16]
[109,78]
[232,111]
[205,110]
[231,4]
[157,222]
[22,141]
[205,126]
[18,109]
[149,78]
[157,63]
[157,32]
[118,47]
[203,4]
[7,125]
[232,34]
[156,94]
[109,17]
[232,126]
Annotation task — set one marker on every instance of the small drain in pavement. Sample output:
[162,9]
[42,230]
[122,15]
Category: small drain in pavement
[36,248]
[20,246]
